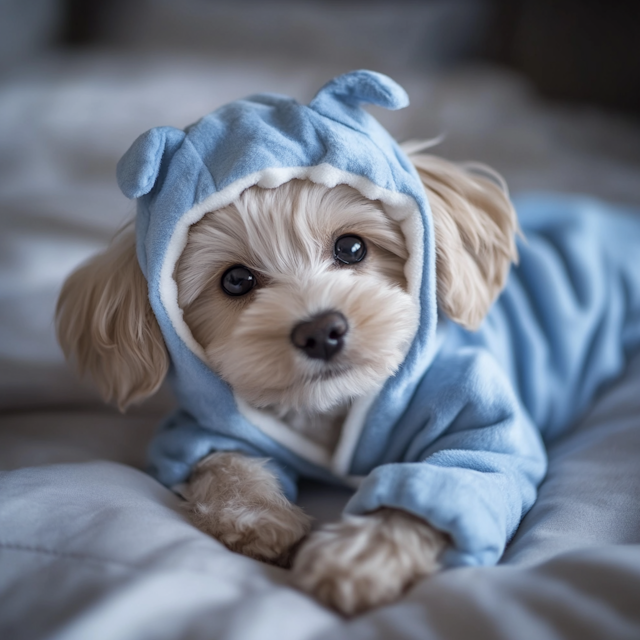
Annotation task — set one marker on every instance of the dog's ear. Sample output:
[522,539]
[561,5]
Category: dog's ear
[475,227]
[105,324]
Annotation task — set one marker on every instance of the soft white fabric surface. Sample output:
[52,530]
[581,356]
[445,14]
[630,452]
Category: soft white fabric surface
[92,548]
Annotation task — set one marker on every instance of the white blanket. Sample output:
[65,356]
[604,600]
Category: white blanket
[91,547]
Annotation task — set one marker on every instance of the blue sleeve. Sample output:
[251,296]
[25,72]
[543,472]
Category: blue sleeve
[181,443]
[472,464]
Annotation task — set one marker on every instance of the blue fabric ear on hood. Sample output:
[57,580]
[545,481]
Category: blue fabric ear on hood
[138,169]
[341,98]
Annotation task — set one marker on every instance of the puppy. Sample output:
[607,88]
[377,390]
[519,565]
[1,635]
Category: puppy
[328,304]
[299,299]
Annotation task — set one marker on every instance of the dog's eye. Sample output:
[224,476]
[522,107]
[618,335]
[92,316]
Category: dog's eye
[349,249]
[237,281]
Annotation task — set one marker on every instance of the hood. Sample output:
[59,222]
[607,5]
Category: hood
[266,140]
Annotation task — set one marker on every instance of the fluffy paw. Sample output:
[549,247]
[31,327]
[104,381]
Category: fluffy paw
[238,501]
[366,561]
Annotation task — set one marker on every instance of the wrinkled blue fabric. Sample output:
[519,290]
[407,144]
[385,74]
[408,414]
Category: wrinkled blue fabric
[456,436]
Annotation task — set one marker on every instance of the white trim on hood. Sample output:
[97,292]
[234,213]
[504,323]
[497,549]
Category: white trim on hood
[400,207]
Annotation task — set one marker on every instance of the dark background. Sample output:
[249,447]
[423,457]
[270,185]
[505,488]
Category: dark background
[572,50]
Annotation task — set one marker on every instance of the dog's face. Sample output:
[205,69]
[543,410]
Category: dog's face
[298,295]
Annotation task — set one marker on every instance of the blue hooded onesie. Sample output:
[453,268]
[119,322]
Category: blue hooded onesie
[456,435]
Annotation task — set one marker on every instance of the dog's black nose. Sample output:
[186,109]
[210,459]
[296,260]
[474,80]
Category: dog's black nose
[322,336]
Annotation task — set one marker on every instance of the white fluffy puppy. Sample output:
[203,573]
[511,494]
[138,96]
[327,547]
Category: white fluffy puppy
[298,298]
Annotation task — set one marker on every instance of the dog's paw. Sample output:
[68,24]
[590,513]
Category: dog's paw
[266,531]
[237,500]
[366,561]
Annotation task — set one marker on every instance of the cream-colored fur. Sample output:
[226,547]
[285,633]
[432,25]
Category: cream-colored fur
[475,228]
[285,236]
[365,561]
[106,326]
[237,500]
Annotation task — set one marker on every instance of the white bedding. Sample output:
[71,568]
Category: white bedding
[91,547]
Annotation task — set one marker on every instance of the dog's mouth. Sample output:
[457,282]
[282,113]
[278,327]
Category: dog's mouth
[328,374]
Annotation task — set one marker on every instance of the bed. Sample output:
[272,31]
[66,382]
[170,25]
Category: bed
[91,547]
